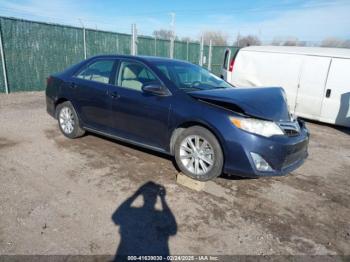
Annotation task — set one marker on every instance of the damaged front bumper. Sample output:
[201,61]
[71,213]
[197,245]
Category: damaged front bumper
[265,156]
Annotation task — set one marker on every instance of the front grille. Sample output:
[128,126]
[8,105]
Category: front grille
[295,153]
[290,132]
[290,128]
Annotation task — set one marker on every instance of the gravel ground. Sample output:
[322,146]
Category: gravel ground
[83,196]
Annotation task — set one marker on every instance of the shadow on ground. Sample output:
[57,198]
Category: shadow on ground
[144,230]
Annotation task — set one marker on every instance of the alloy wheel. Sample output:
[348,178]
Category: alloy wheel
[197,154]
[66,120]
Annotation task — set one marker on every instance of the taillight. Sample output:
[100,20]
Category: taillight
[49,80]
[232,63]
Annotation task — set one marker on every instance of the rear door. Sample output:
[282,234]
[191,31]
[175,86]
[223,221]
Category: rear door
[311,86]
[225,74]
[91,87]
[336,96]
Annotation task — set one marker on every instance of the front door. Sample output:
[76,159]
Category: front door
[136,115]
[311,87]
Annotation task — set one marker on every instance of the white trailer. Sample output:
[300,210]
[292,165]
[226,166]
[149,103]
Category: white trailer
[316,80]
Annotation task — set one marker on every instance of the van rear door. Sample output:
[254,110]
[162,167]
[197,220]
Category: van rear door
[225,73]
[336,96]
[311,86]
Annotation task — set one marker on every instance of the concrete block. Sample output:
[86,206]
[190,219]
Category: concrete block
[190,183]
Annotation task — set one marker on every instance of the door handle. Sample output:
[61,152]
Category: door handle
[328,92]
[73,85]
[114,95]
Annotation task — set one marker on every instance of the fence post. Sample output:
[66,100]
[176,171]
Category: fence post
[133,40]
[201,52]
[117,44]
[155,45]
[210,54]
[187,50]
[84,39]
[172,45]
[4,71]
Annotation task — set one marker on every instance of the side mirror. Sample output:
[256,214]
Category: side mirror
[155,89]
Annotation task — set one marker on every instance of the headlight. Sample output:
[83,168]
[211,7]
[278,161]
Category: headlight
[257,126]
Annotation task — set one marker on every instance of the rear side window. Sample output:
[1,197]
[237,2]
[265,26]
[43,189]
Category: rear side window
[99,71]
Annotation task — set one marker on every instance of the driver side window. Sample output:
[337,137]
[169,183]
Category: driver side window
[134,75]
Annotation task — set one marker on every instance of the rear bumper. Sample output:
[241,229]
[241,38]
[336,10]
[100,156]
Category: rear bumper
[50,107]
[284,154]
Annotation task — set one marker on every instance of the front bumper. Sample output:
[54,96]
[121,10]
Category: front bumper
[284,154]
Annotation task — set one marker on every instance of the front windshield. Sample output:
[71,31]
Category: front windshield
[189,77]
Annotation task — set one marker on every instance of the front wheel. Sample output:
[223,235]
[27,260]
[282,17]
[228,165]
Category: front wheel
[198,154]
[68,120]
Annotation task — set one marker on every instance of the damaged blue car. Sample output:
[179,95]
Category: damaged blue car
[183,110]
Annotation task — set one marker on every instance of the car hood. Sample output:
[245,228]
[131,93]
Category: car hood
[264,102]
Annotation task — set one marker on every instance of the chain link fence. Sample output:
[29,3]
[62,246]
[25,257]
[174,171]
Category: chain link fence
[31,51]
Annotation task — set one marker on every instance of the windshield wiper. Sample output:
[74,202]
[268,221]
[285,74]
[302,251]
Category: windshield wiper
[191,88]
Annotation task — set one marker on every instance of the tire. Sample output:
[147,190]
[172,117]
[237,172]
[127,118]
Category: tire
[186,157]
[68,120]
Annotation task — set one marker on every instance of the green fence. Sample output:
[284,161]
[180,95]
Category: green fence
[34,50]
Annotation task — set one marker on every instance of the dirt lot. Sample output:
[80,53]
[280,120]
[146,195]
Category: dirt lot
[60,196]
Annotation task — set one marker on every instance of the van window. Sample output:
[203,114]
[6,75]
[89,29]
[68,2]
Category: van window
[227,53]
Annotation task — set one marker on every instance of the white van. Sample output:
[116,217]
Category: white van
[316,80]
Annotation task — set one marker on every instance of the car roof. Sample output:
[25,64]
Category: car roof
[142,58]
[313,51]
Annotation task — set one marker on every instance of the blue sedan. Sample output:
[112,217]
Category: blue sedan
[181,109]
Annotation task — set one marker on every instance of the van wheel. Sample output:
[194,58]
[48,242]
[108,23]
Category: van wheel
[198,154]
[68,120]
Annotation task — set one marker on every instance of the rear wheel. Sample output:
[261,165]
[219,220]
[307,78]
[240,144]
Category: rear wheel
[198,154]
[68,120]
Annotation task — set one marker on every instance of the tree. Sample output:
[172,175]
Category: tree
[248,40]
[346,44]
[163,34]
[186,38]
[277,41]
[217,37]
[302,43]
[332,42]
[291,41]
[288,41]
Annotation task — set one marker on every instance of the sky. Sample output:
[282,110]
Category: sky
[308,20]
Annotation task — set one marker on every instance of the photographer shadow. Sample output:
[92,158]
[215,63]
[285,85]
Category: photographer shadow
[144,230]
